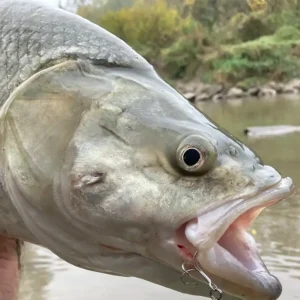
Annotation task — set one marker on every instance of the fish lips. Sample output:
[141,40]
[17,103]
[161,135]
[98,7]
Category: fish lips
[226,252]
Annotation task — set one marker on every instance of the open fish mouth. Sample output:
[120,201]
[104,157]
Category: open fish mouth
[226,251]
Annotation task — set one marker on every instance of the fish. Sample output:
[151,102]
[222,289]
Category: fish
[114,171]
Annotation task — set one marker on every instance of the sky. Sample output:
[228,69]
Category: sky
[54,2]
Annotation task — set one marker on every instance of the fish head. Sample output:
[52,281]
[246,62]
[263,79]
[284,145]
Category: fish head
[135,181]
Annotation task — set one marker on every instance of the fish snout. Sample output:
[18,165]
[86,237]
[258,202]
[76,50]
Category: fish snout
[265,176]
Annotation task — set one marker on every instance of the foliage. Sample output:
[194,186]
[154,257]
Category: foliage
[262,58]
[283,5]
[252,28]
[230,41]
[258,5]
[287,33]
[183,57]
[93,11]
[146,26]
[206,12]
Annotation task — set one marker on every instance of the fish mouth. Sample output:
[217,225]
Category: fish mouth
[226,251]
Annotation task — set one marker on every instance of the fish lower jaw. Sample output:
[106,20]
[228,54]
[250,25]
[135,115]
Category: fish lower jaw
[233,263]
[233,243]
[227,252]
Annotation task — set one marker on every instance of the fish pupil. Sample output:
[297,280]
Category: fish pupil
[191,157]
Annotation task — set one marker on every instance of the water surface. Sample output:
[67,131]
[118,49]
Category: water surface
[277,230]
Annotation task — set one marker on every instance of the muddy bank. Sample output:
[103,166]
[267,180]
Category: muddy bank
[196,91]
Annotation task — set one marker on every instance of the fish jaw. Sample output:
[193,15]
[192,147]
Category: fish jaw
[226,252]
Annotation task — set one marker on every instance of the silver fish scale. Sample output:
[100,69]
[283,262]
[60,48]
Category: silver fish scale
[33,35]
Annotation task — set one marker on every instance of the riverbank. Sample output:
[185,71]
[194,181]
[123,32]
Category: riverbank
[197,91]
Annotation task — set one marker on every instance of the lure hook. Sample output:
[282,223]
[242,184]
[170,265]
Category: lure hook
[188,267]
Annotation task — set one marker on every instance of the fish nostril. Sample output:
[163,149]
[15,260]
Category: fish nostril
[233,151]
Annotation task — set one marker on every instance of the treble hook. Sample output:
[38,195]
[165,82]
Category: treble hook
[187,272]
[215,293]
[214,290]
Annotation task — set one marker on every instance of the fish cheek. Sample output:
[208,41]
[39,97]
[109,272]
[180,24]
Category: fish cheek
[109,208]
[95,176]
[224,183]
[200,193]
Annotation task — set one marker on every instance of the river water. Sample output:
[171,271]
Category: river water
[277,230]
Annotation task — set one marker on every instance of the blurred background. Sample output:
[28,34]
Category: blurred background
[238,61]
[242,42]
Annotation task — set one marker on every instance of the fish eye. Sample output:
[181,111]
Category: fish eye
[192,157]
[195,154]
